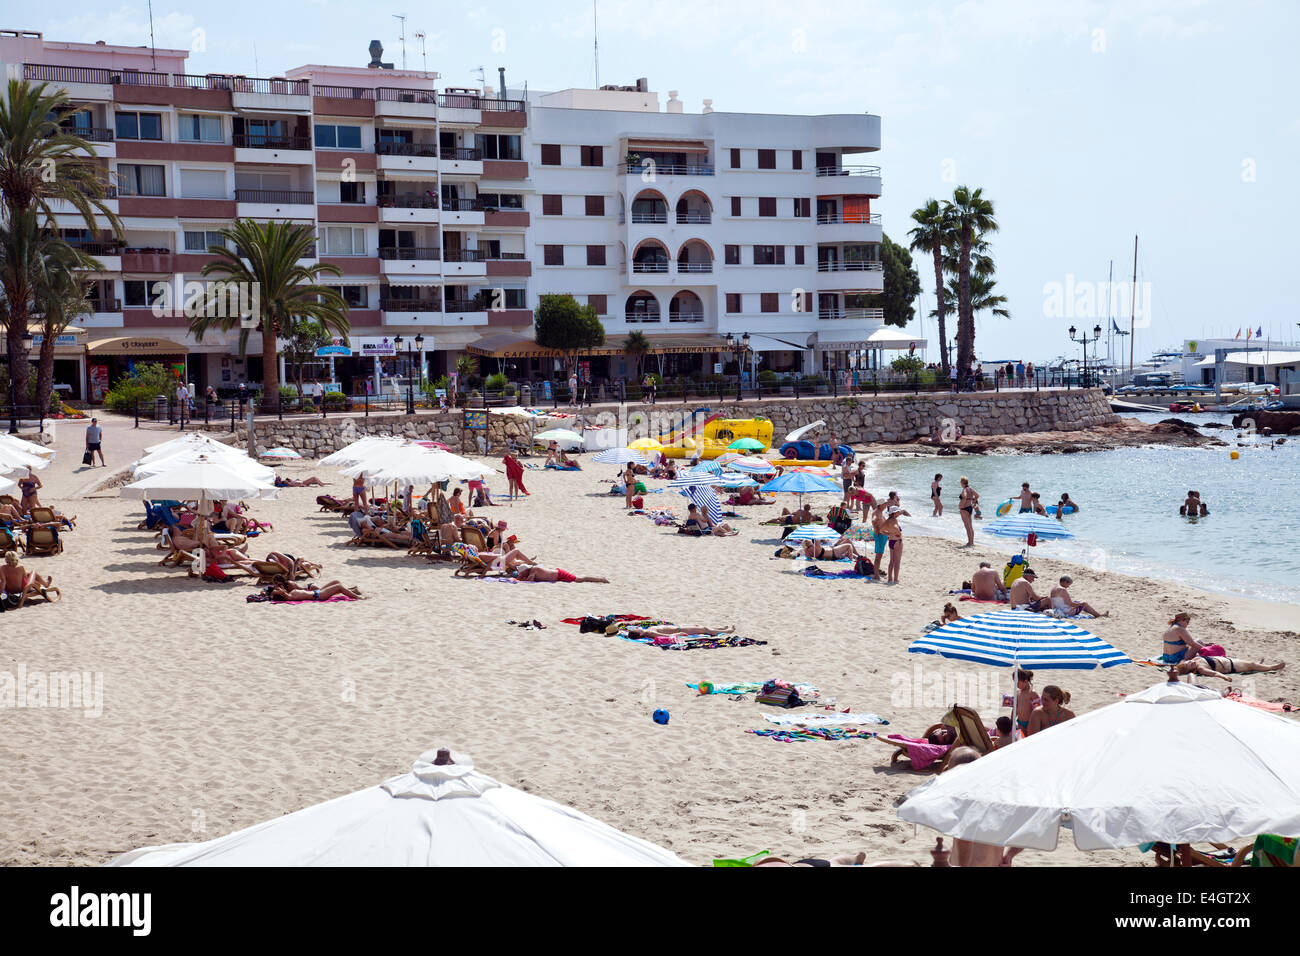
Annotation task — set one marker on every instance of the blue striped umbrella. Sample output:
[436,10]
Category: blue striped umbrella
[813,532]
[621,456]
[1020,639]
[735,481]
[706,498]
[1021,525]
[712,467]
[689,480]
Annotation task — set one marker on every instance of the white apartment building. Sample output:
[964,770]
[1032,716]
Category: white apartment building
[451,211]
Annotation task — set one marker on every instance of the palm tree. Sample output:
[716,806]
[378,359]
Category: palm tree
[637,345]
[40,162]
[932,234]
[983,298]
[61,295]
[264,263]
[972,216]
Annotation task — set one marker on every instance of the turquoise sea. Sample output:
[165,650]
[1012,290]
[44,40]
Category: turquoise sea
[1248,545]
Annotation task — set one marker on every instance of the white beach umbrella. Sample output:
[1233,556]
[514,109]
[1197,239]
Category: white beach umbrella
[436,815]
[7,486]
[189,439]
[429,467]
[12,459]
[1175,763]
[30,447]
[352,453]
[240,464]
[172,449]
[204,479]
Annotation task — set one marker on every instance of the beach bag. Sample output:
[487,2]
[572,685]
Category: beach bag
[638,502]
[842,523]
[864,567]
[1013,570]
[775,695]
[88,458]
[1213,650]
[214,574]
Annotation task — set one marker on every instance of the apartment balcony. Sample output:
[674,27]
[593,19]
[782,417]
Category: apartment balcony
[462,162]
[148,261]
[694,218]
[409,209]
[460,107]
[462,212]
[509,265]
[343,101]
[79,82]
[863,179]
[685,316]
[511,169]
[102,141]
[502,114]
[258,149]
[671,169]
[465,312]
[275,203]
[395,308]
[359,212]
[649,268]
[104,306]
[469,263]
[275,94]
[694,268]
[505,218]
[851,228]
[867,266]
[851,315]
[410,104]
[410,261]
[407,157]
[67,214]
[174,207]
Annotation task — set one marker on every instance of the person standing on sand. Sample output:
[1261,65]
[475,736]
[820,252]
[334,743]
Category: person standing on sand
[846,478]
[967,503]
[94,442]
[895,535]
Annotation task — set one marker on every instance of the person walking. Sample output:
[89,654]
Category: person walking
[95,442]
[573,389]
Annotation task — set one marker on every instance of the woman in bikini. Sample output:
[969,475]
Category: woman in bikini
[817,551]
[286,592]
[1179,644]
[1024,698]
[894,534]
[30,486]
[936,492]
[1223,666]
[551,576]
[1052,711]
[967,503]
[19,583]
[359,494]
[293,565]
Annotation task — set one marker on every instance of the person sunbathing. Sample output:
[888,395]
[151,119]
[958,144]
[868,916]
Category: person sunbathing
[536,572]
[510,559]
[219,554]
[701,521]
[19,583]
[293,565]
[820,551]
[949,614]
[1221,667]
[458,503]
[668,630]
[10,515]
[283,591]
[1023,597]
[1066,606]
[803,515]
[968,852]
[986,584]
[312,482]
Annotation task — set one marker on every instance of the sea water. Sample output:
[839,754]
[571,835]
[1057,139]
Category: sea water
[1128,521]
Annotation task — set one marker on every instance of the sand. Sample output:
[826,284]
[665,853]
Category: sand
[218,714]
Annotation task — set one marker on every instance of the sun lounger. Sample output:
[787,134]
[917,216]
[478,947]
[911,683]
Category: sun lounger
[43,541]
[10,542]
[333,505]
[48,516]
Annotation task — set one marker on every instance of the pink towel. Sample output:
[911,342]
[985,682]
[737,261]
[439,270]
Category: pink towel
[922,753]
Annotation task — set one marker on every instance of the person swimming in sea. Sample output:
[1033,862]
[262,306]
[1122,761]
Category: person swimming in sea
[1193,507]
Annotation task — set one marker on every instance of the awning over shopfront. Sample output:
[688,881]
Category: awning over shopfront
[137,345]
[774,343]
[413,283]
[851,340]
[509,345]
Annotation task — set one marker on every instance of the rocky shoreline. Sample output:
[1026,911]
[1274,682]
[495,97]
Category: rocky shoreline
[1126,433]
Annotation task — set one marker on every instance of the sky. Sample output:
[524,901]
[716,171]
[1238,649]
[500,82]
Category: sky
[1084,122]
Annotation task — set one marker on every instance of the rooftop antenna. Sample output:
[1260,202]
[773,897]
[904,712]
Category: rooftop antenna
[595,42]
[424,60]
[153,55]
[257,70]
[402,17]
[482,77]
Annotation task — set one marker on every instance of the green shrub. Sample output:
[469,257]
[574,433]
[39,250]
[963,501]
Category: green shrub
[288,395]
[767,377]
[496,382]
[147,381]
[336,400]
[907,363]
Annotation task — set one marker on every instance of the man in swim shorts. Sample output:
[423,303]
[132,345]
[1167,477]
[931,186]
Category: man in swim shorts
[986,584]
[557,575]
[1026,498]
[1023,597]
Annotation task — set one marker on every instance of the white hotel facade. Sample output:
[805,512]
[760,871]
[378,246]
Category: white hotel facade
[451,211]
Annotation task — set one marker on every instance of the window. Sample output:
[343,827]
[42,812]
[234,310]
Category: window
[352,192]
[767,205]
[553,255]
[344,241]
[499,146]
[595,255]
[135,293]
[550,154]
[802,207]
[767,159]
[200,240]
[595,205]
[329,136]
[733,302]
[731,255]
[796,159]
[502,200]
[593,156]
[735,159]
[552,205]
[769,255]
[354,295]
[735,205]
[599,302]
[798,255]
[770,301]
[204,184]
[193,128]
[137,180]
[139,126]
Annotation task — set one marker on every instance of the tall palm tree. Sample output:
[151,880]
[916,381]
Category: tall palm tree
[40,162]
[261,261]
[983,297]
[61,297]
[932,233]
[637,345]
[972,217]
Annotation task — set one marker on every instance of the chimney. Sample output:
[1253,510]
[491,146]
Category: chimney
[708,106]
[674,105]
[501,72]
[643,85]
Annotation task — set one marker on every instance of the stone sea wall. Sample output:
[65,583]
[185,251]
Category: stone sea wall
[859,420]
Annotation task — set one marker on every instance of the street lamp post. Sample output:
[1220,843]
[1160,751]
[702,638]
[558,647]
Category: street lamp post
[1083,340]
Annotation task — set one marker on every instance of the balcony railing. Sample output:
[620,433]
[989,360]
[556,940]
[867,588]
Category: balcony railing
[344,92]
[260,141]
[685,316]
[672,169]
[634,318]
[104,305]
[465,305]
[694,218]
[189,81]
[867,266]
[274,195]
[98,248]
[649,267]
[461,152]
[507,257]
[649,217]
[695,267]
[407,201]
[492,104]
[91,134]
[859,315]
[462,205]
[407,149]
[826,218]
[388,94]
[409,252]
[466,255]
[848,170]
[66,74]
[390,303]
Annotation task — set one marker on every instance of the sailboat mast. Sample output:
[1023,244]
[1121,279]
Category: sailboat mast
[1110,315]
[1132,308]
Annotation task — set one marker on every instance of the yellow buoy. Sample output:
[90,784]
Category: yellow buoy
[1235,455]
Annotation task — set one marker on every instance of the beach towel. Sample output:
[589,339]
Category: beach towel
[261,599]
[818,574]
[1255,702]
[609,618]
[982,600]
[515,472]
[922,753]
[795,720]
[746,687]
[693,642]
[826,733]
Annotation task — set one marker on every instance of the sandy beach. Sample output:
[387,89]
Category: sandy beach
[218,713]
